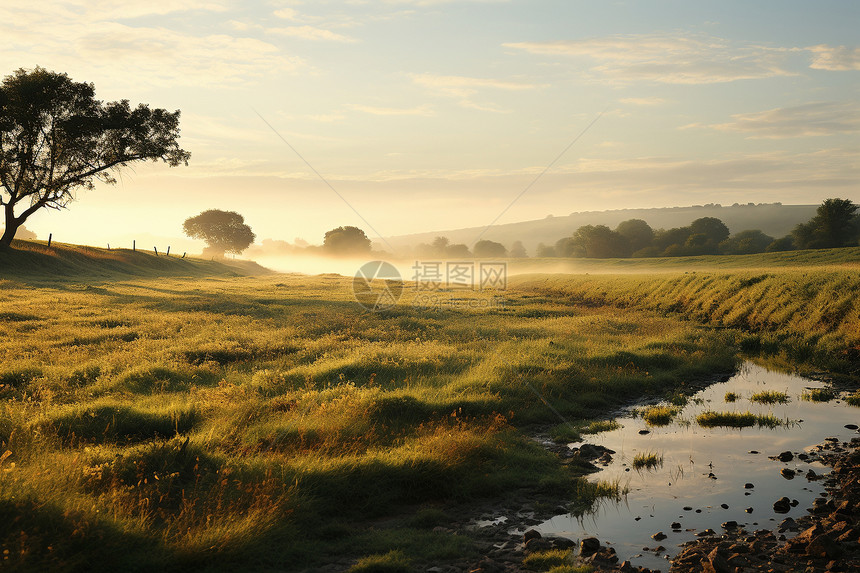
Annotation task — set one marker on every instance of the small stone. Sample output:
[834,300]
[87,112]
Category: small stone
[753,451]
[706,533]
[659,536]
[676,525]
[787,473]
[589,546]
[724,505]
[785,457]
[531,534]
[851,426]
[688,508]
[731,524]
[748,485]
[749,510]
[644,432]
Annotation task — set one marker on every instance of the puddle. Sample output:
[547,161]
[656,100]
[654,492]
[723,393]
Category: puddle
[701,481]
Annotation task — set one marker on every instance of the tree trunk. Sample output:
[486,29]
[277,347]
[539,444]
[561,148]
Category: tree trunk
[12,225]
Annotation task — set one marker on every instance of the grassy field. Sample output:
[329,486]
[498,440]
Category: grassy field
[188,417]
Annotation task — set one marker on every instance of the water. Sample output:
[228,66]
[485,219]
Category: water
[706,468]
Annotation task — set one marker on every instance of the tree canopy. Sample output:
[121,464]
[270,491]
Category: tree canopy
[834,225]
[223,231]
[55,137]
[345,241]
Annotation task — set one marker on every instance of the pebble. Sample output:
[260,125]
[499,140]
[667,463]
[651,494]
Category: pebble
[644,432]
[787,473]
[724,505]
[749,510]
[659,536]
[748,486]
[785,457]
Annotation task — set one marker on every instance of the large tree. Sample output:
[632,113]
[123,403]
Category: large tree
[223,231]
[55,138]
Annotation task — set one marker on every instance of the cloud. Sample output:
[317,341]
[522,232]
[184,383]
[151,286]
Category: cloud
[287,14]
[90,45]
[811,119]
[310,33]
[646,101]
[463,88]
[834,58]
[669,59]
[420,110]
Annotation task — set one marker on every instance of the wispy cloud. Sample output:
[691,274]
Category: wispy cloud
[670,59]
[811,119]
[374,110]
[310,33]
[644,101]
[464,88]
[834,58]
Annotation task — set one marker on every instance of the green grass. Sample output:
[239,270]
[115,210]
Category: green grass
[572,569]
[545,560]
[713,419]
[770,397]
[819,395]
[204,419]
[647,461]
[392,562]
[660,415]
[853,399]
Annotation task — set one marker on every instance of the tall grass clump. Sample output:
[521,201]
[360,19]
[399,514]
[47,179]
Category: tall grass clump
[713,419]
[818,395]
[545,560]
[660,415]
[770,397]
[647,461]
[392,562]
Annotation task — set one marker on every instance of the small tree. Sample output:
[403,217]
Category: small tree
[223,231]
[345,241]
[834,225]
[55,137]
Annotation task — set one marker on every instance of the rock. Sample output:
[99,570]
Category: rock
[688,508]
[659,536]
[538,544]
[731,524]
[675,525]
[748,485]
[753,451]
[644,432]
[851,426]
[782,505]
[785,457]
[788,524]
[824,547]
[706,533]
[562,543]
[749,510]
[718,562]
[811,475]
[589,546]
[531,534]
[724,505]
[787,473]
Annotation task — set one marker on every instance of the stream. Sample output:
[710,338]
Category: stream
[703,480]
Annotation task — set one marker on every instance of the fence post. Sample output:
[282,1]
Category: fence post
[156,250]
[134,246]
[50,235]
[108,246]
[168,250]
[183,255]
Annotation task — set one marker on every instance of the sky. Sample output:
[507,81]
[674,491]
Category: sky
[405,116]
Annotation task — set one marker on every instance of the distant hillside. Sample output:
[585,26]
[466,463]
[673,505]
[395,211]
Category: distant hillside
[32,260]
[774,219]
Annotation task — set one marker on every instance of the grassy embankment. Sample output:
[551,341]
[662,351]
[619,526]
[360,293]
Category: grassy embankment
[269,422]
[798,308]
[202,422]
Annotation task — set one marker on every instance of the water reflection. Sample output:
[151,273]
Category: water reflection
[704,475]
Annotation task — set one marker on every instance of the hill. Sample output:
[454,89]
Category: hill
[30,260]
[774,219]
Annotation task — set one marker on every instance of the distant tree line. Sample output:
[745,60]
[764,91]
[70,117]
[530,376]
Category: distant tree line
[836,224]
